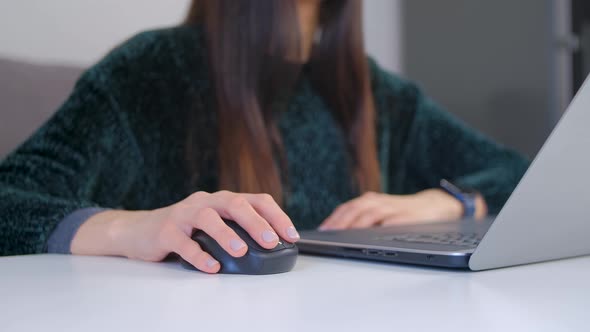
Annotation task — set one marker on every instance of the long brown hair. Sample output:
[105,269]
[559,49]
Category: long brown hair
[249,44]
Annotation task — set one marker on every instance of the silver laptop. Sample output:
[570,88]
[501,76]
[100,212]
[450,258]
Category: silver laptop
[546,218]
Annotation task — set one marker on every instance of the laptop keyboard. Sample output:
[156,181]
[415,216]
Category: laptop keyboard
[454,238]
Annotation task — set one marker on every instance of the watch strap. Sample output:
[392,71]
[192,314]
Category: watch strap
[466,198]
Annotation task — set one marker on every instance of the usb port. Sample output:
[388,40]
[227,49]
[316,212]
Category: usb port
[374,252]
[390,254]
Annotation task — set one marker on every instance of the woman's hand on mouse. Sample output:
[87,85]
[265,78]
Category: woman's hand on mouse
[377,209]
[153,235]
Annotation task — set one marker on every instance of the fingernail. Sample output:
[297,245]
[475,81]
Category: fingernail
[236,245]
[211,262]
[292,233]
[269,236]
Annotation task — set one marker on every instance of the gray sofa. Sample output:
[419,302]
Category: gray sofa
[29,95]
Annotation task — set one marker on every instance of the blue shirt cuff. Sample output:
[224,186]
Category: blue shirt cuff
[60,240]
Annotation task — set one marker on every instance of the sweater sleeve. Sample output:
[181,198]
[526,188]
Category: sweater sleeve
[60,240]
[443,147]
[421,144]
[83,157]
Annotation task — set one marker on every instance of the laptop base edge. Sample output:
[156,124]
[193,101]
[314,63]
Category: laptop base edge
[434,259]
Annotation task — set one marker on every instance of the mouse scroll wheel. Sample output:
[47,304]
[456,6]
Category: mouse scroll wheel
[280,245]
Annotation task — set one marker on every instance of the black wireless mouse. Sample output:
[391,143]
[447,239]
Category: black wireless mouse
[257,260]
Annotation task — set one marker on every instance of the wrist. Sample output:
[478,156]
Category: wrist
[455,210]
[108,233]
[119,233]
[471,200]
[481,208]
[126,234]
[452,208]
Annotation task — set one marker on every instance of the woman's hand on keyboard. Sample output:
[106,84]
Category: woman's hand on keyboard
[376,209]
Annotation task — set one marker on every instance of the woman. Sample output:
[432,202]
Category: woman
[262,112]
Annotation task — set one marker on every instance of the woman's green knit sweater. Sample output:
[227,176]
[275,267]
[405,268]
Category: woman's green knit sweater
[118,142]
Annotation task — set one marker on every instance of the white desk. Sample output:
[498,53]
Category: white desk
[62,293]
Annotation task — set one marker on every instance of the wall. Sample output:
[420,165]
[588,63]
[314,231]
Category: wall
[81,31]
[78,31]
[489,62]
[384,32]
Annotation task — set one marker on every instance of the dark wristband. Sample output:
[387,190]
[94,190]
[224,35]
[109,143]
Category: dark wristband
[466,197]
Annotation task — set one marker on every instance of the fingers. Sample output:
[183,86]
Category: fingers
[240,210]
[373,217]
[237,208]
[346,214]
[335,220]
[209,221]
[343,217]
[188,217]
[268,208]
[191,252]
